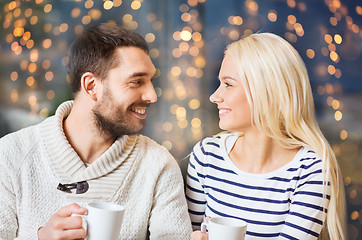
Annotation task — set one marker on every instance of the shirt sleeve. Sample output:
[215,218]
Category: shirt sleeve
[308,206]
[8,219]
[169,218]
[195,194]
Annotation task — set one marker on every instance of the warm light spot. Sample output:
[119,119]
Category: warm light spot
[343,135]
[338,116]
[196,123]
[79,29]
[176,36]
[34,54]
[17,12]
[182,123]
[184,7]
[38,1]
[33,20]
[173,108]
[185,35]
[251,5]
[154,53]
[14,95]
[50,94]
[355,28]
[14,76]
[150,37]
[334,56]
[44,113]
[12,5]
[23,65]
[237,20]
[48,8]
[184,46]
[167,126]
[47,43]
[291,3]
[333,21]
[30,81]
[32,100]
[135,5]
[176,71]
[167,145]
[328,38]
[332,47]
[88,4]
[196,36]
[46,64]
[324,51]
[194,104]
[47,27]
[117,3]
[338,39]
[331,69]
[63,27]
[200,62]
[272,16]
[194,51]
[354,215]
[180,113]
[32,67]
[127,18]
[151,17]
[192,3]
[26,36]
[310,53]
[359,10]
[234,35]
[186,17]
[338,73]
[75,12]
[353,194]
[49,76]
[176,53]
[18,32]
[9,38]
[292,19]
[335,104]
[86,20]
[191,71]
[107,5]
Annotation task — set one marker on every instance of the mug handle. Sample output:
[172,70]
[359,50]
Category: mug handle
[84,221]
[204,227]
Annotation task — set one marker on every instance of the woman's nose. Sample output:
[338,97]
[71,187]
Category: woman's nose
[215,97]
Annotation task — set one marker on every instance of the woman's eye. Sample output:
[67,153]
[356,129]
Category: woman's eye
[227,84]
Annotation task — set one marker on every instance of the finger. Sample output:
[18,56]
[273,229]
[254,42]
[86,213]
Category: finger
[67,211]
[207,219]
[74,233]
[74,222]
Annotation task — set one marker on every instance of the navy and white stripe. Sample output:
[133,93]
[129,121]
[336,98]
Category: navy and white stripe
[284,204]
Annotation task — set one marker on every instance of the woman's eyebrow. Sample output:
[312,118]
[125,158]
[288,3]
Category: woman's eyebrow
[227,78]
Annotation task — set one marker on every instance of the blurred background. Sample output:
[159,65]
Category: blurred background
[187,40]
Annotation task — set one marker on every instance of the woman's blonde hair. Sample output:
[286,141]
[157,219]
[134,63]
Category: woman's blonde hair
[281,100]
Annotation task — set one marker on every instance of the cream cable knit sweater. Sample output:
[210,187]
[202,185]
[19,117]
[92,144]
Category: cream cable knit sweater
[135,172]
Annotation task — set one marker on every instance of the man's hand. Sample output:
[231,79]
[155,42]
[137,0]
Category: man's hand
[62,226]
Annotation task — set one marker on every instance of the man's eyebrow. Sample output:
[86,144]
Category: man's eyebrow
[137,74]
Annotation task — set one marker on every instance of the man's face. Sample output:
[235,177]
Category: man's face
[125,94]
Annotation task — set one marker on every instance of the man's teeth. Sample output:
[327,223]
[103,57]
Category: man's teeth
[139,111]
[223,111]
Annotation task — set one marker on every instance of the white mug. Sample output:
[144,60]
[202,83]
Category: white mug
[104,220]
[220,228]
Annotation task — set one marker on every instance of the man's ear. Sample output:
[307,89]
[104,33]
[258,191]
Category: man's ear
[88,85]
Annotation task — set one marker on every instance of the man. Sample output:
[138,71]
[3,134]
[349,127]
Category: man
[90,151]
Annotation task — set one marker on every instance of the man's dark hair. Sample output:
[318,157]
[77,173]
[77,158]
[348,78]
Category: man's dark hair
[94,51]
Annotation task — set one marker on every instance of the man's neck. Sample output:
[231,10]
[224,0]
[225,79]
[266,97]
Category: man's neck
[83,136]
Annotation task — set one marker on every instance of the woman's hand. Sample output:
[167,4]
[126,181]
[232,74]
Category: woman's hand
[198,235]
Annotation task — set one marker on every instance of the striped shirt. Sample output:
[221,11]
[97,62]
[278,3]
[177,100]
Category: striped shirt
[283,204]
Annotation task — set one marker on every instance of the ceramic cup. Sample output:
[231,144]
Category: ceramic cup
[104,220]
[221,228]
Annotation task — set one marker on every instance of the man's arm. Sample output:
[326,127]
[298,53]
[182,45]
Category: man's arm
[169,218]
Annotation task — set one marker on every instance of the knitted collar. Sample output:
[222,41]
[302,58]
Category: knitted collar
[66,162]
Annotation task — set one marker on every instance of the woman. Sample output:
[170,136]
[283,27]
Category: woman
[273,168]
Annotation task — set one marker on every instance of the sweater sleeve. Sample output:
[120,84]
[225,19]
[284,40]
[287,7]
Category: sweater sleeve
[195,194]
[307,215]
[169,218]
[8,219]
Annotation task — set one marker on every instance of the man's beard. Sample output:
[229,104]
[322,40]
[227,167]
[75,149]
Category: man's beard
[118,124]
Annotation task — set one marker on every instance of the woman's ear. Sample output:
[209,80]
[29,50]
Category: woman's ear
[88,85]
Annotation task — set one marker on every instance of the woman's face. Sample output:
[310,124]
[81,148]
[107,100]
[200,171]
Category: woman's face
[231,100]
